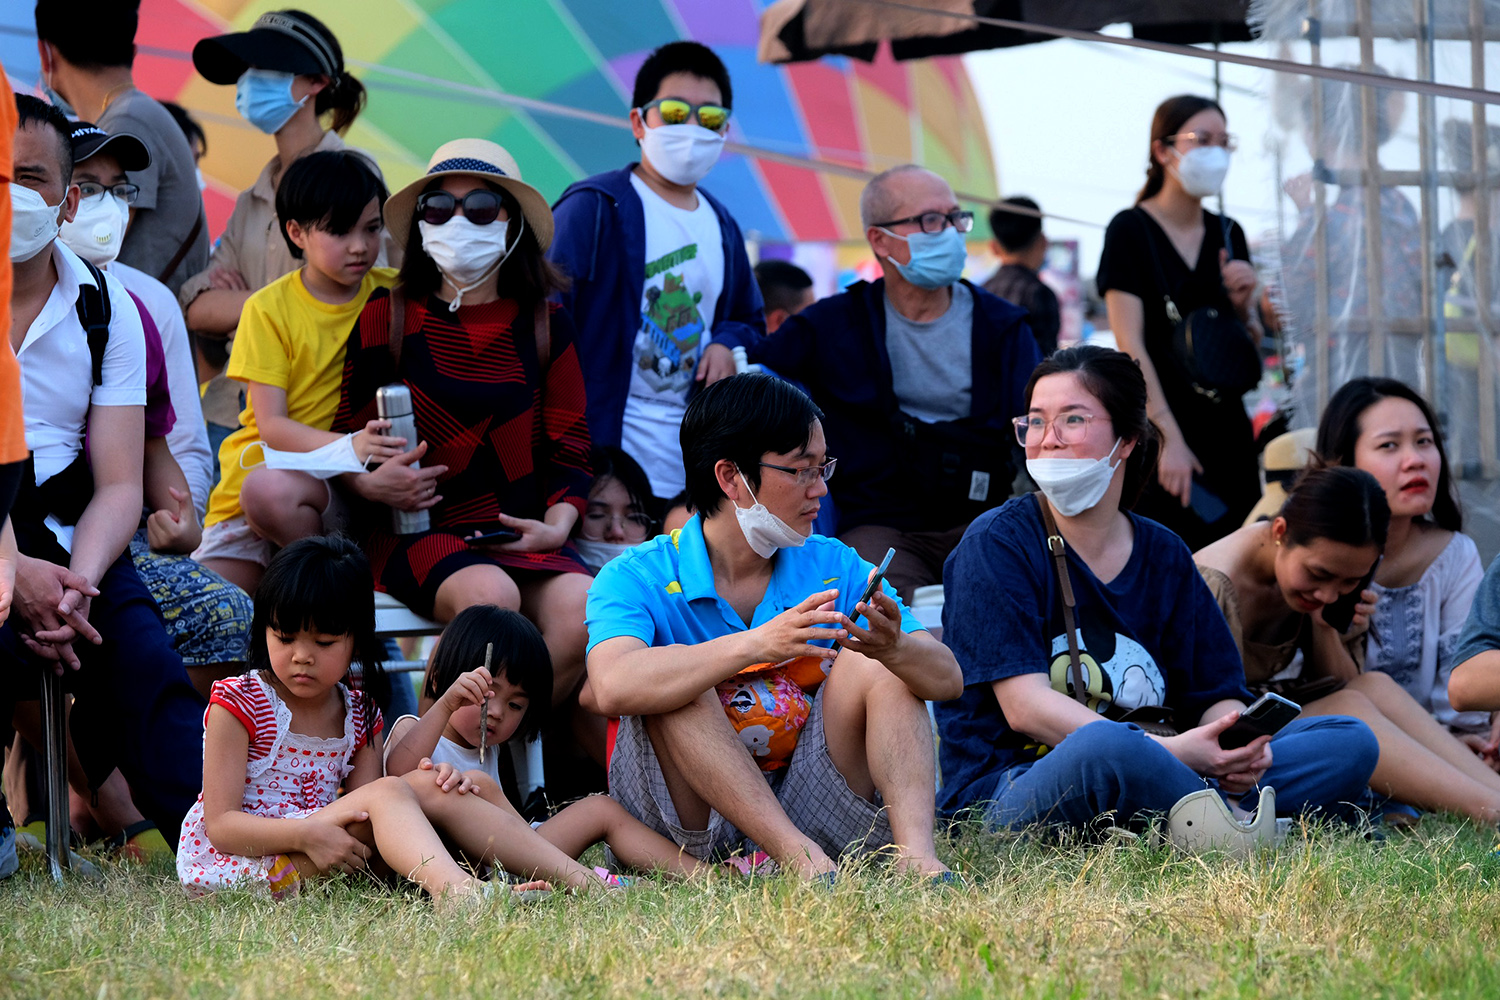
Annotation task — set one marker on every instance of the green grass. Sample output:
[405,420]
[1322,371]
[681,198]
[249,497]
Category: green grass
[1328,915]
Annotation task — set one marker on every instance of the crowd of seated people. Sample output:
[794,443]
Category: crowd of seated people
[535,428]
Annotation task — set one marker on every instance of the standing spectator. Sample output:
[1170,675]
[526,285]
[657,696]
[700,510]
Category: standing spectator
[12,433]
[288,71]
[659,269]
[1206,481]
[786,289]
[919,376]
[87,49]
[78,598]
[1022,248]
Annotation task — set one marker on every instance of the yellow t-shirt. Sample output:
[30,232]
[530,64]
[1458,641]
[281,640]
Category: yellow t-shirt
[290,340]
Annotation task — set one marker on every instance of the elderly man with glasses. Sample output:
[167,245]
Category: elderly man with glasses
[771,698]
[918,375]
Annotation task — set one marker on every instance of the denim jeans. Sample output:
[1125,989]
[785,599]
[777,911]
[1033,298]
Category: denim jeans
[1106,767]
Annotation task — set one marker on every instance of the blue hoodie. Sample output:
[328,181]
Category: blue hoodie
[599,239]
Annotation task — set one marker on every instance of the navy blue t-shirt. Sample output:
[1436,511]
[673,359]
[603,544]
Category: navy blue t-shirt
[1152,636]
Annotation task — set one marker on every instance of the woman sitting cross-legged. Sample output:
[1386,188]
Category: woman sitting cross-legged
[1021,745]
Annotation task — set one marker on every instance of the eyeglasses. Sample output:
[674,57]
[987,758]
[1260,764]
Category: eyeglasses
[634,526]
[127,193]
[481,207]
[806,477]
[935,222]
[1228,140]
[1070,428]
[676,111]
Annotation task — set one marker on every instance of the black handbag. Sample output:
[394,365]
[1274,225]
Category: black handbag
[1213,350]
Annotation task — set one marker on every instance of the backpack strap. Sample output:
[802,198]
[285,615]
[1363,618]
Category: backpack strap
[182,251]
[1058,548]
[94,314]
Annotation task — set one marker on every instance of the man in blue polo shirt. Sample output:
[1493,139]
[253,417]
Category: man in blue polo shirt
[741,722]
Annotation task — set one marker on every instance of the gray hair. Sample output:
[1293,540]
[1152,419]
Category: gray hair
[877,201]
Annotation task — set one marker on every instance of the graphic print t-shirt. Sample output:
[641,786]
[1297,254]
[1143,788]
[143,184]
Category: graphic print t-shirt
[684,276]
[1153,635]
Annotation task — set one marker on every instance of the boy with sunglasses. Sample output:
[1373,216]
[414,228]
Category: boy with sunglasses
[660,272]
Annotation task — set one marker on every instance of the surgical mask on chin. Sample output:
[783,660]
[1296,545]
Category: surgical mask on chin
[1073,485]
[683,154]
[596,554]
[763,530]
[97,229]
[33,223]
[1201,170]
[467,254]
[264,99]
[937,259]
[334,458]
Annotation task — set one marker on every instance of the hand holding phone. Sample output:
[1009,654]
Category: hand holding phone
[874,584]
[1340,614]
[494,537]
[1267,716]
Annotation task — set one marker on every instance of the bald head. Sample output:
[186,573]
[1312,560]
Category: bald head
[904,191]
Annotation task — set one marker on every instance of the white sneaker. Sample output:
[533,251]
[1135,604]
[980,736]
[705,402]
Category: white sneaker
[1202,822]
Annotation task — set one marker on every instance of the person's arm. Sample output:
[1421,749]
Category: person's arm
[117,447]
[1331,654]
[628,677]
[740,318]
[418,739]
[285,434]
[213,298]
[927,667]
[215,312]
[791,351]
[1474,685]
[188,438]
[1175,468]
[173,524]
[8,558]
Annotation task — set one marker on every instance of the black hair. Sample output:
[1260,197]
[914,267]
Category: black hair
[90,34]
[1114,378]
[519,655]
[1339,431]
[322,584]
[189,125]
[680,57]
[328,190]
[609,462]
[781,284]
[1170,116]
[740,418]
[344,96]
[1339,503]
[35,111]
[526,276]
[681,500]
[1013,230]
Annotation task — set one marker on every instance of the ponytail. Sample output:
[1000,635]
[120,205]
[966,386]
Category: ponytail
[345,98]
[1170,116]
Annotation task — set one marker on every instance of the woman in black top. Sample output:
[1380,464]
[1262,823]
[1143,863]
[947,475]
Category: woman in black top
[1206,478]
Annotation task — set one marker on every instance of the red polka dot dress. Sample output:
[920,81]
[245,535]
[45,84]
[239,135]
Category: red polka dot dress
[287,776]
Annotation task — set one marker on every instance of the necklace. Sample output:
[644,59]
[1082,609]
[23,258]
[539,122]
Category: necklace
[112,93]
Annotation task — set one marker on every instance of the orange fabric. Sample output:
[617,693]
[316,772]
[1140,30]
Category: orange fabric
[12,423]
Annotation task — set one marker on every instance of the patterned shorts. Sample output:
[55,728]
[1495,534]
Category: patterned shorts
[815,796]
[207,617]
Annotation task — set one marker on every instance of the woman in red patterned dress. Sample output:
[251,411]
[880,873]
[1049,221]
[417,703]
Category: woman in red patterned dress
[499,402]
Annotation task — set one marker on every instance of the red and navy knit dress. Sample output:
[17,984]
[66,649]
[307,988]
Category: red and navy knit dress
[512,443]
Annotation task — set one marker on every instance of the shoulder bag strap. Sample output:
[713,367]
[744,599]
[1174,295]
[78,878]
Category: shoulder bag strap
[398,327]
[1059,548]
[1173,315]
[182,251]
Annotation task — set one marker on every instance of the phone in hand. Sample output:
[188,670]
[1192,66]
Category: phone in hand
[875,582]
[1340,614]
[1267,716]
[494,537]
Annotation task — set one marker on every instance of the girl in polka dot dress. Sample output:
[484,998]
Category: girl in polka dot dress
[280,740]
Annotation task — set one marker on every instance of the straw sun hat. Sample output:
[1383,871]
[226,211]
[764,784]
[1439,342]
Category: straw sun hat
[474,158]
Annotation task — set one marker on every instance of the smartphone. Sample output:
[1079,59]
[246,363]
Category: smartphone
[1340,614]
[1266,717]
[494,537]
[875,582]
[1205,504]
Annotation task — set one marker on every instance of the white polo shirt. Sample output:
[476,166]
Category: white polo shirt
[57,371]
[188,438]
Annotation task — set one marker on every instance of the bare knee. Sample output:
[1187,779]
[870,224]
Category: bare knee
[476,585]
[1345,702]
[1375,684]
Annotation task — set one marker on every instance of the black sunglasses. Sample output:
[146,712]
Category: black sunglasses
[481,207]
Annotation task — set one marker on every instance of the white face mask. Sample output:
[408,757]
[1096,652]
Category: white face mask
[596,554]
[1201,170]
[334,458]
[467,254]
[683,154]
[33,223]
[202,181]
[763,530]
[1073,485]
[97,229]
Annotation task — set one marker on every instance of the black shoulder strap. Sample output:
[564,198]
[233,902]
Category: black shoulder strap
[94,315]
[1058,550]
[1173,315]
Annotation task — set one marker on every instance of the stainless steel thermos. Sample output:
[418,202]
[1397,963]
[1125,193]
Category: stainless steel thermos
[393,403]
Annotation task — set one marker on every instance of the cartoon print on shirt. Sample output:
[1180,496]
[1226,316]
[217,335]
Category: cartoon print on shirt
[1116,669]
[666,348]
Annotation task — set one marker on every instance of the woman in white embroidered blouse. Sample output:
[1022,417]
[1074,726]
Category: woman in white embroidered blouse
[1431,569]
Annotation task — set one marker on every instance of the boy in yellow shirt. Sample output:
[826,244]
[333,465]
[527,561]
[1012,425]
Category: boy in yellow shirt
[289,351]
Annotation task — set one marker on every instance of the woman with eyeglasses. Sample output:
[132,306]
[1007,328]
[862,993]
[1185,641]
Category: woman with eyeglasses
[502,462]
[1037,739]
[1170,247]
[619,514]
